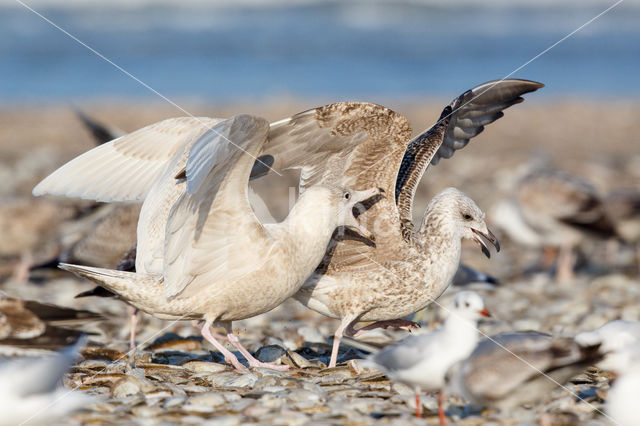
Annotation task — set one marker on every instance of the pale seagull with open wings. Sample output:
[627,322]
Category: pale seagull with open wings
[353,144]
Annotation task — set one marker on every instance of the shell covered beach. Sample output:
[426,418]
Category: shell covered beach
[177,378]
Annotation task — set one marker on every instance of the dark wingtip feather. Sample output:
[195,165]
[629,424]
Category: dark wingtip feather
[96,291]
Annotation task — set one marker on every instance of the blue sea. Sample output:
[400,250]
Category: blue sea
[226,50]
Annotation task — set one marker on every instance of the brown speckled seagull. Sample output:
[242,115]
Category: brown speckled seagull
[357,144]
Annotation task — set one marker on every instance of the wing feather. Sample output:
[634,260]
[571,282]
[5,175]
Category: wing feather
[354,144]
[460,121]
[125,168]
[212,233]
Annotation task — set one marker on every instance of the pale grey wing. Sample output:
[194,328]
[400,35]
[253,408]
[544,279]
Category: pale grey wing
[460,121]
[32,376]
[502,363]
[351,144]
[125,168]
[212,231]
[407,353]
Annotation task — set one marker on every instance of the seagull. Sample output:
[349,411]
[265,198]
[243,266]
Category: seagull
[612,337]
[623,394]
[514,368]
[421,361]
[552,208]
[623,208]
[466,275]
[355,144]
[30,328]
[202,254]
[352,144]
[31,391]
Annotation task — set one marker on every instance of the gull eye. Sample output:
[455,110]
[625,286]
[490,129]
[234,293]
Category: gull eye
[347,195]
[467,216]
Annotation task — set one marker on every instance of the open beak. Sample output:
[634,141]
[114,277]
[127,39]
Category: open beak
[359,197]
[485,313]
[481,238]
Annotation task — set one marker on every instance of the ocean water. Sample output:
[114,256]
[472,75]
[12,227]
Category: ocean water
[329,49]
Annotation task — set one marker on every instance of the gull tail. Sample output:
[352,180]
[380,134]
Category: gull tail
[142,291]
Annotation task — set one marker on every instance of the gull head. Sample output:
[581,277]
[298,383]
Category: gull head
[348,199]
[469,220]
[469,305]
[339,205]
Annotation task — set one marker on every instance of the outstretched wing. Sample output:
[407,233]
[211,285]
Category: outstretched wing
[351,144]
[125,168]
[460,121]
[212,230]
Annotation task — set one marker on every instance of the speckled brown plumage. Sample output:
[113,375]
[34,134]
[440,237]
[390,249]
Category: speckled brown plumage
[29,327]
[403,270]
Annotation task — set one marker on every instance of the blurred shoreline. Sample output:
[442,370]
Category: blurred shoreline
[315,49]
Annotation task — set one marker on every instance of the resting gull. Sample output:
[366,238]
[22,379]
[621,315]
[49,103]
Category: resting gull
[421,361]
[202,254]
[356,144]
[612,337]
[552,208]
[514,368]
[30,328]
[31,391]
[622,399]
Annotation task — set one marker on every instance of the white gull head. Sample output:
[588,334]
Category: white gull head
[453,210]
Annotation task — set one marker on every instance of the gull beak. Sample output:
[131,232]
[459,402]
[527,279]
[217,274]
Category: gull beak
[480,237]
[485,313]
[354,222]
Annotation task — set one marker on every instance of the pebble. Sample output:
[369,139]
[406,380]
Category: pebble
[270,353]
[210,399]
[232,379]
[203,367]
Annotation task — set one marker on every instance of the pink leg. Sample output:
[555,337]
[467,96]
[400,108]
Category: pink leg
[418,404]
[21,269]
[253,362]
[397,323]
[566,262]
[337,338]
[133,318]
[198,324]
[206,333]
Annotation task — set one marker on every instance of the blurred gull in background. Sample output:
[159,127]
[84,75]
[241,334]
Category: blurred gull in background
[31,389]
[613,337]
[29,328]
[551,208]
[622,399]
